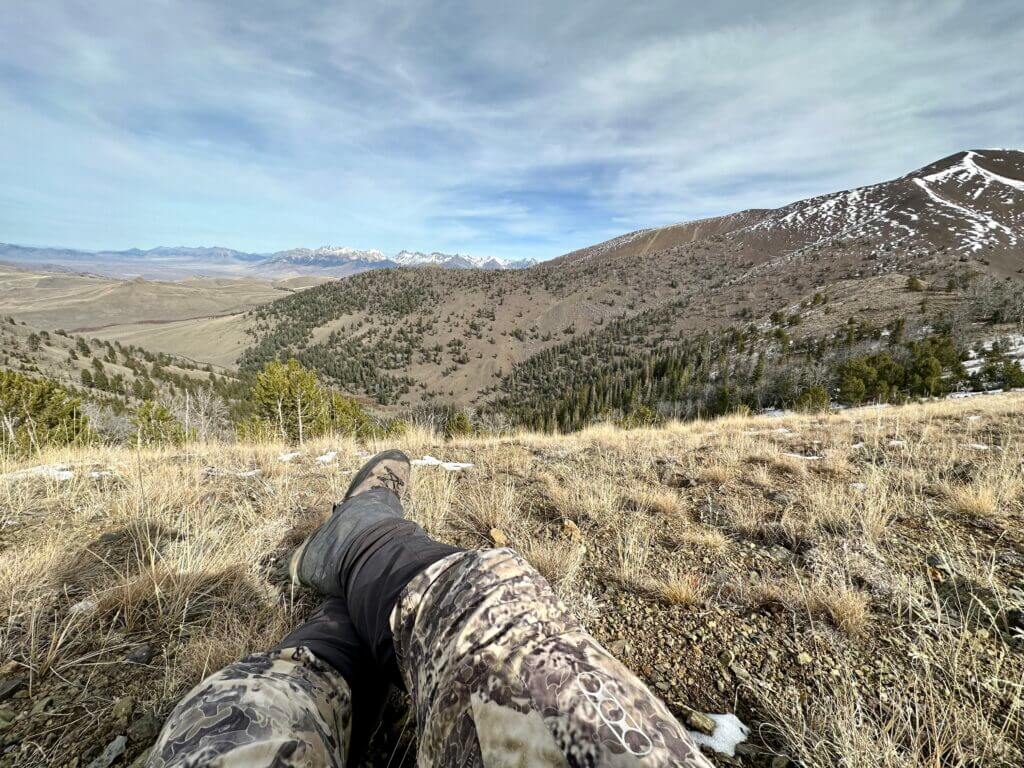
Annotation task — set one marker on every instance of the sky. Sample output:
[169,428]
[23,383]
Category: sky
[523,129]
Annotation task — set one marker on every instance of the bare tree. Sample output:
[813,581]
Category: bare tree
[203,413]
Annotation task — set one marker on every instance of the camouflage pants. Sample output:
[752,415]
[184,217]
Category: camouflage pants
[500,676]
[284,708]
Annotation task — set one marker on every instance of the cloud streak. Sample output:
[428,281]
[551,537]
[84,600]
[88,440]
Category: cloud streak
[462,127]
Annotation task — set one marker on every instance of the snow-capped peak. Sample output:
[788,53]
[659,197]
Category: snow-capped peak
[328,254]
[456,261]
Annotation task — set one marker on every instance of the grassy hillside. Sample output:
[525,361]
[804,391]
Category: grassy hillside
[848,584]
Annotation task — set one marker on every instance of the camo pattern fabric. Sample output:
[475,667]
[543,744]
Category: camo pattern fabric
[502,675]
[284,709]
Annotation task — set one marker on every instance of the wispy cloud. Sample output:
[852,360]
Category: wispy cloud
[523,131]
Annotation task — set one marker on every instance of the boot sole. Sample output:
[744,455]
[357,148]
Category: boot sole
[370,465]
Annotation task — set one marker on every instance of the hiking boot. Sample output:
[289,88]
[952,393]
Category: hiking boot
[318,561]
[388,469]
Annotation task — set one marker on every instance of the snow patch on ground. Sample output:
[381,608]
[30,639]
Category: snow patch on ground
[450,466]
[729,732]
[974,361]
[217,472]
[286,457]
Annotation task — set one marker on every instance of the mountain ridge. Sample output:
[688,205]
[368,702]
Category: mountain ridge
[803,271]
[175,262]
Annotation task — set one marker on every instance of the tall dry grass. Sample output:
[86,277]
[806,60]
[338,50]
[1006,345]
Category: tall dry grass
[883,534]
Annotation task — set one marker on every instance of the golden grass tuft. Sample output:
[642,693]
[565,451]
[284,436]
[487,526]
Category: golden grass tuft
[681,588]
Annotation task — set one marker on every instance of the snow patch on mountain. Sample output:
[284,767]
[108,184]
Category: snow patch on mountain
[327,255]
[456,261]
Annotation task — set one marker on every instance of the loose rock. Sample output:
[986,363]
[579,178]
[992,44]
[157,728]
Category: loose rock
[123,708]
[700,722]
[9,686]
[140,654]
[113,751]
[143,730]
[498,537]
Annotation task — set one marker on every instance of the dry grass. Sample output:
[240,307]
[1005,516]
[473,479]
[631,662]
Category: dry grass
[681,588]
[889,560]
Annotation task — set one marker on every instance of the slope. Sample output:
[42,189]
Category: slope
[410,337]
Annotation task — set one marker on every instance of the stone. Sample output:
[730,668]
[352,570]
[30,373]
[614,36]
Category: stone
[698,721]
[10,686]
[781,498]
[144,730]
[498,537]
[112,751]
[803,658]
[140,761]
[122,708]
[41,705]
[739,671]
[140,654]
[780,554]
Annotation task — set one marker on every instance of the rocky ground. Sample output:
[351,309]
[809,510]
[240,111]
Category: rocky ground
[850,585]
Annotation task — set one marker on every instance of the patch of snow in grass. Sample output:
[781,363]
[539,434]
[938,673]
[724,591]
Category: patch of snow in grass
[58,472]
[327,458]
[83,607]
[450,466]
[286,457]
[215,472]
[426,461]
[729,731]
[801,456]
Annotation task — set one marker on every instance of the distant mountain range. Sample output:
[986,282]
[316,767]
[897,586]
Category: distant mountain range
[170,263]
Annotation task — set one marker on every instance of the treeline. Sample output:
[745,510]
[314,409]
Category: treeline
[604,376]
[285,402]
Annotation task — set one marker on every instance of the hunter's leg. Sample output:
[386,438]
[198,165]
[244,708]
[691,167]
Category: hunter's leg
[502,675]
[289,707]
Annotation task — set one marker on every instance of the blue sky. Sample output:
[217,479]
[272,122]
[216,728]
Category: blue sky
[507,129]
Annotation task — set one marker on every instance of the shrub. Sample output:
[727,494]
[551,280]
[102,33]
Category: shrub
[288,396]
[289,399]
[639,416]
[155,425]
[812,399]
[37,413]
[458,425]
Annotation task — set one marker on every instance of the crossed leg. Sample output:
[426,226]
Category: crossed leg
[499,672]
